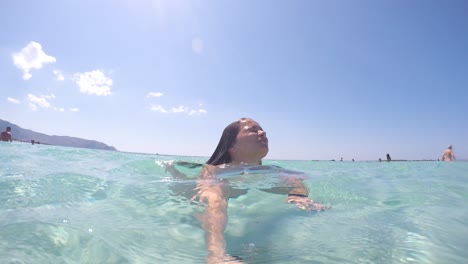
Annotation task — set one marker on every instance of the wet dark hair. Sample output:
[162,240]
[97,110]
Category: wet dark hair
[221,154]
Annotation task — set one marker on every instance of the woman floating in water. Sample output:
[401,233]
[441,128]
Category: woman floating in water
[243,143]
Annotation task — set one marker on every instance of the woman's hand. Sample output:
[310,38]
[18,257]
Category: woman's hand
[305,203]
[169,168]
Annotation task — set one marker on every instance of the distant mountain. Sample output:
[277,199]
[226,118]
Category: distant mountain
[26,135]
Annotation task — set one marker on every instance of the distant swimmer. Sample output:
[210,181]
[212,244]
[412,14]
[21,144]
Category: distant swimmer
[388,157]
[6,135]
[448,154]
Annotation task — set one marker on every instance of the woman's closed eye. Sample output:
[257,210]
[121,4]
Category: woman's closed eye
[254,129]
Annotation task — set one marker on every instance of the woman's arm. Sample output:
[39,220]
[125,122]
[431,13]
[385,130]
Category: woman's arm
[298,193]
[176,174]
[213,193]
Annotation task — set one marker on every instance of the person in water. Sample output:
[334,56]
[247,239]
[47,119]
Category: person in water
[388,157]
[243,143]
[6,135]
[448,154]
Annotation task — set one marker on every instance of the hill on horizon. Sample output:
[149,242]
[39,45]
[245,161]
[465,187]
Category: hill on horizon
[26,135]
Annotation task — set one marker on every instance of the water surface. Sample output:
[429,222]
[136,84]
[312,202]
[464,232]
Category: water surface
[71,205]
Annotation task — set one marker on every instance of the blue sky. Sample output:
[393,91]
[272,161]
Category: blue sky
[326,79]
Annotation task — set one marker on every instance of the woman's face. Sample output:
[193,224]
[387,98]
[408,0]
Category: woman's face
[251,142]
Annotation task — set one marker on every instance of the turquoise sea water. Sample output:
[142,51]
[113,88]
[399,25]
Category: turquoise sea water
[69,205]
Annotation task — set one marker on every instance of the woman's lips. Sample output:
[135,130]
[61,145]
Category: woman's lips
[263,140]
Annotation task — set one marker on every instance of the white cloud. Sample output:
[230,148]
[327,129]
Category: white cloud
[93,82]
[197,45]
[158,108]
[43,101]
[59,75]
[31,57]
[198,112]
[174,110]
[179,109]
[39,101]
[154,94]
[13,100]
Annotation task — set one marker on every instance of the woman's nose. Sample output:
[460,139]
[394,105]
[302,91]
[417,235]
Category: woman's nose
[261,132]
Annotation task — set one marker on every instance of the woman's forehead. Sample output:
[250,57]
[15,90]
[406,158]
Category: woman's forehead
[249,123]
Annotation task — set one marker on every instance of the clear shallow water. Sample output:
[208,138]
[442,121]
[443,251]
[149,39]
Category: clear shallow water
[69,205]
